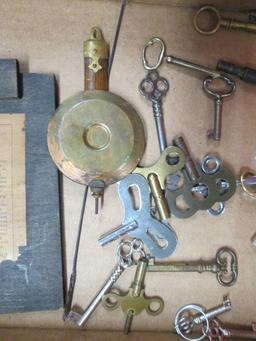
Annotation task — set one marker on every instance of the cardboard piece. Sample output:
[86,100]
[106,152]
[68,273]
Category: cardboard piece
[53,43]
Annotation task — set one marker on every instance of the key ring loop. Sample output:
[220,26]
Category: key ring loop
[157,300]
[151,42]
[219,95]
[244,175]
[207,9]
[126,250]
[233,267]
[198,309]
[153,86]
[206,162]
[217,211]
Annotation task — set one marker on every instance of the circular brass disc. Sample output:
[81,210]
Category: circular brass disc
[96,135]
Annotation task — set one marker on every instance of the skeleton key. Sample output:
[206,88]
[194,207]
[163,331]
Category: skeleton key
[160,238]
[218,96]
[154,87]
[125,252]
[225,276]
[218,332]
[135,301]
[228,23]
[185,321]
[172,159]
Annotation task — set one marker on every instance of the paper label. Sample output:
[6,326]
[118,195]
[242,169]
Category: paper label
[12,185]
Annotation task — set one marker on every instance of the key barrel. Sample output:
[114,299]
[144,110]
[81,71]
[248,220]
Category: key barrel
[246,74]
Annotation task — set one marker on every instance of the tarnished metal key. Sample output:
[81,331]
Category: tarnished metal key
[153,87]
[227,23]
[226,270]
[212,75]
[186,321]
[159,237]
[219,332]
[157,174]
[124,254]
[135,301]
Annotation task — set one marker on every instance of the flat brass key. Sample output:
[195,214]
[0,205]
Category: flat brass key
[227,23]
[135,301]
[219,332]
[226,272]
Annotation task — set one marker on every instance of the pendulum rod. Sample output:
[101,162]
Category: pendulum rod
[72,280]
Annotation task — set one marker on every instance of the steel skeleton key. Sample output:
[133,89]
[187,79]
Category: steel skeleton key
[154,87]
[212,75]
[225,276]
[159,237]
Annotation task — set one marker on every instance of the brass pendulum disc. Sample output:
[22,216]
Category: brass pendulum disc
[96,135]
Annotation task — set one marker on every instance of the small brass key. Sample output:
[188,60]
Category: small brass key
[226,272]
[135,301]
[227,23]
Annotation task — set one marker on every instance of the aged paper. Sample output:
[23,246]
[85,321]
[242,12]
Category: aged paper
[12,185]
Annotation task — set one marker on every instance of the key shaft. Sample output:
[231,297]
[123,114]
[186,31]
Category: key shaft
[118,232]
[214,312]
[192,66]
[190,166]
[182,267]
[137,286]
[80,320]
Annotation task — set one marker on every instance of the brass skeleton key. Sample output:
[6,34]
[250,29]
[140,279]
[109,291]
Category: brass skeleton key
[227,23]
[135,301]
[226,272]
